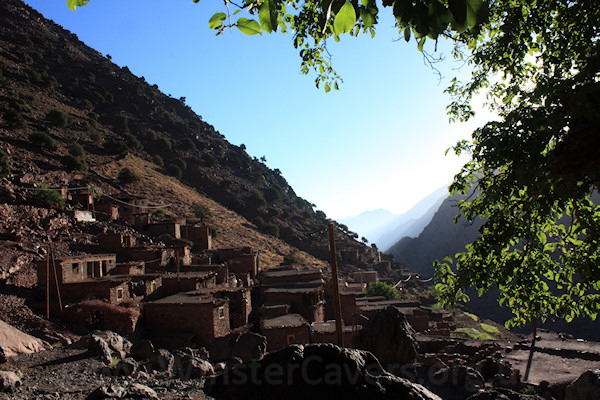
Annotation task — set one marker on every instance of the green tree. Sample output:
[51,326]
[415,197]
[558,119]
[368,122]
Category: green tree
[126,175]
[382,289]
[533,174]
[57,118]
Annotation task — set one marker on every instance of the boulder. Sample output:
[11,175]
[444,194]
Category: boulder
[314,371]
[117,344]
[455,382]
[586,387]
[142,349]
[162,360]
[126,367]
[14,342]
[389,336]
[106,392]
[503,394]
[246,346]
[9,381]
[139,391]
[199,368]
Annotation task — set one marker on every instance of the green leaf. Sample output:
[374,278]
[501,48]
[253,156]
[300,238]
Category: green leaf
[407,38]
[458,8]
[248,26]
[267,15]
[473,7]
[420,44]
[216,21]
[367,18]
[327,88]
[345,19]
[73,4]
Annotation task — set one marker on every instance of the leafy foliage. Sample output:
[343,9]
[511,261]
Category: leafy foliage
[43,141]
[15,120]
[382,289]
[49,197]
[126,176]
[57,118]
[534,174]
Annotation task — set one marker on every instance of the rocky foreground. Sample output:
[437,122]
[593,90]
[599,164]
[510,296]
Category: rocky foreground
[105,365]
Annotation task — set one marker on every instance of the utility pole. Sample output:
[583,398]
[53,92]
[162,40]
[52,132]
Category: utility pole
[336,290]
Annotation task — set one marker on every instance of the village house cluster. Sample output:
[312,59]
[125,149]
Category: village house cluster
[179,285]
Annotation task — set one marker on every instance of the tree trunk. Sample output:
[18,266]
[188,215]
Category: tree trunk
[531,350]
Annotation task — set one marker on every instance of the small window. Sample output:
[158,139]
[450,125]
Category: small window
[221,312]
[75,267]
[291,339]
[119,294]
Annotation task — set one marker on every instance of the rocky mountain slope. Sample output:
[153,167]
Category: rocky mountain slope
[55,92]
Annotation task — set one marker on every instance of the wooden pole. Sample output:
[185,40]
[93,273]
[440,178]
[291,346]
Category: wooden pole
[48,284]
[55,276]
[336,290]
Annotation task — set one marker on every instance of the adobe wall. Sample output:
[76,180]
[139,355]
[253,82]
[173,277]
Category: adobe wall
[201,320]
[199,235]
[112,292]
[98,315]
[244,263]
[280,337]
[162,228]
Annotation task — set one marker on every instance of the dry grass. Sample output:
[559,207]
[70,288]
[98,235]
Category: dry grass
[233,230]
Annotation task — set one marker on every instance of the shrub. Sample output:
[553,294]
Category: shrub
[258,221]
[57,118]
[4,163]
[210,160]
[43,141]
[163,144]
[15,120]
[115,146]
[86,104]
[286,231]
[49,197]
[76,150]
[382,289]
[149,136]
[256,198]
[127,176]
[73,163]
[290,259]
[274,212]
[174,170]
[180,163]
[188,144]
[121,125]
[271,229]
[50,82]
[95,136]
[156,159]
[201,211]
[132,141]
[237,204]
[273,193]
[226,183]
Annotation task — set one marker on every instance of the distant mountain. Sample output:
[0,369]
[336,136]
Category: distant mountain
[369,222]
[440,238]
[411,223]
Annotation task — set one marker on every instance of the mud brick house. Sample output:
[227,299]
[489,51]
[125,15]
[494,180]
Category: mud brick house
[95,314]
[155,258]
[187,281]
[110,289]
[131,209]
[285,330]
[83,198]
[306,301]
[201,318]
[221,271]
[365,276]
[350,256]
[241,260]
[290,277]
[75,269]
[324,332]
[240,304]
[172,228]
[109,209]
[199,235]
[116,242]
[129,268]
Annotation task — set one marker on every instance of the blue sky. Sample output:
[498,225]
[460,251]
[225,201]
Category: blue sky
[378,142]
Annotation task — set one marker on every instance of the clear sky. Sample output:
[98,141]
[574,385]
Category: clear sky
[378,142]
